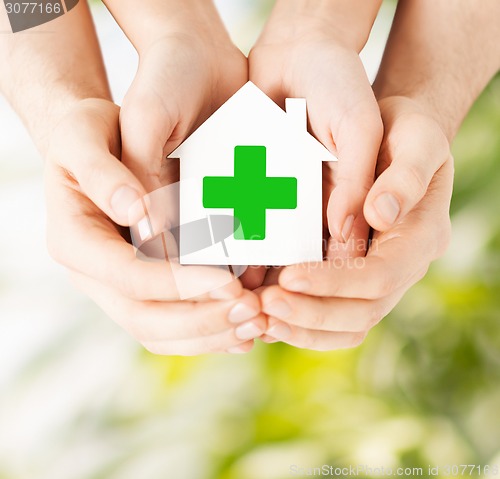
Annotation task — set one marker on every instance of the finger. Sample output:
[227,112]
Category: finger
[150,321]
[357,137]
[342,112]
[217,343]
[351,127]
[327,314]
[99,174]
[180,328]
[356,244]
[253,277]
[313,340]
[242,348]
[415,149]
[83,239]
[272,275]
[268,339]
[373,277]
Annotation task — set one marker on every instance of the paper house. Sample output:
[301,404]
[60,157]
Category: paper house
[256,165]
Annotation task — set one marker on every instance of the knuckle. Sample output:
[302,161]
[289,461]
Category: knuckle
[359,185]
[440,144]
[318,320]
[253,55]
[311,342]
[217,344]
[322,347]
[384,286]
[421,274]
[137,332]
[379,127]
[413,180]
[364,118]
[212,348]
[155,347]
[370,319]
[128,285]
[444,238]
[375,315]
[357,339]
[204,328]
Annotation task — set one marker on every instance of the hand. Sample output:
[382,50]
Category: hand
[89,192]
[336,304]
[182,79]
[407,163]
[305,54]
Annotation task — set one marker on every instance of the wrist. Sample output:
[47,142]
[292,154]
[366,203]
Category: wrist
[42,120]
[421,96]
[347,22]
[156,20]
[403,105]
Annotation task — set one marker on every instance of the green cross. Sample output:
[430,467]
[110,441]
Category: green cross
[249,192]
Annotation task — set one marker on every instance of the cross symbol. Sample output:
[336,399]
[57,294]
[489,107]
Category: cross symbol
[250,192]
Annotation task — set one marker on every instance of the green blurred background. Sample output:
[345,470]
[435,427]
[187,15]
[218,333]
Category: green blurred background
[80,400]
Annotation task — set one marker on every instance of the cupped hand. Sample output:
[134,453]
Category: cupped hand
[334,304]
[89,192]
[182,79]
[302,55]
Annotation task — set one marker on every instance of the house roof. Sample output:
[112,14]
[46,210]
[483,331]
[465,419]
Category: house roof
[250,100]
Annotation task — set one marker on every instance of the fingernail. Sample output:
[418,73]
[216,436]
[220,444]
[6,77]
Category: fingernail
[268,339]
[242,312]
[387,207]
[347,229]
[144,228]
[278,309]
[237,350]
[280,331]
[248,331]
[298,286]
[122,200]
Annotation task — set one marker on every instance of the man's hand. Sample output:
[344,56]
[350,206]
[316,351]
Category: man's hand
[311,51]
[335,304]
[407,163]
[88,191]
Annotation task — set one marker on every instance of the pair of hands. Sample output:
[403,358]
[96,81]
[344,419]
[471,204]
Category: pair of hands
[181,80]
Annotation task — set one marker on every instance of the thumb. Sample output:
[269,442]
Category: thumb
[108,183]
[414,149]
[83,147]
[357,140]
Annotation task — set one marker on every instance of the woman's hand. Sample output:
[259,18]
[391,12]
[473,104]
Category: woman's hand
[186,71]
[334,304]
[311,51]
[89,192]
